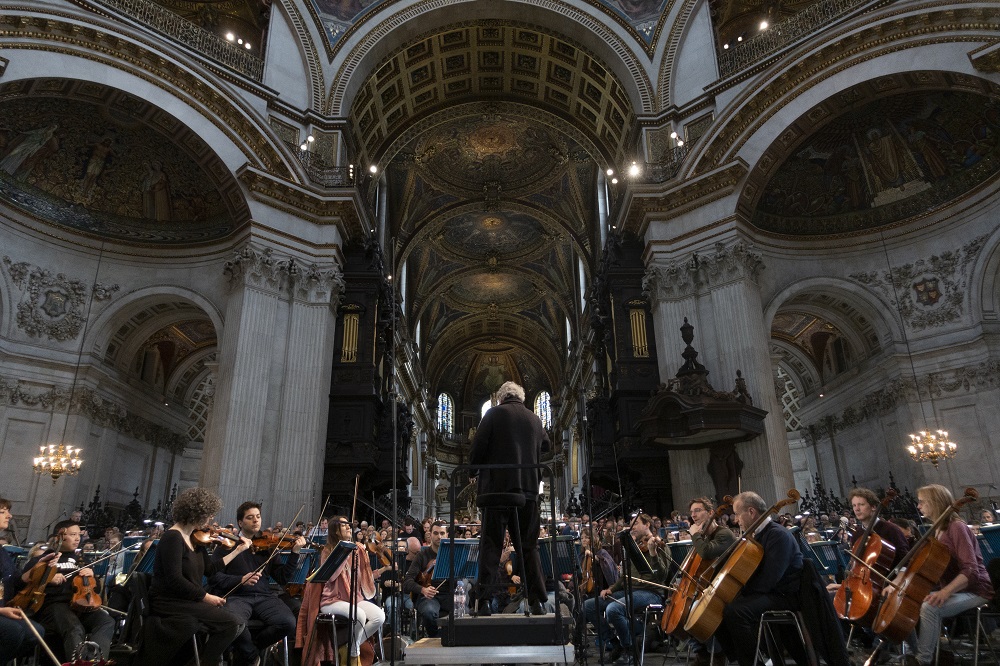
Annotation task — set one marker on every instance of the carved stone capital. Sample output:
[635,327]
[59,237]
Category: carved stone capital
[261,268]
[52,304]
[697,272]
[320,285]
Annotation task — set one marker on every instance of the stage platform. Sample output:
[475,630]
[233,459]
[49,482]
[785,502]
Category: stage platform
[430,651]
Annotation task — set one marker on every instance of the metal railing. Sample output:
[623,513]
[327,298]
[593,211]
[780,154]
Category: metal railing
[189,34]
[752,51]
[319,172]
[661,172]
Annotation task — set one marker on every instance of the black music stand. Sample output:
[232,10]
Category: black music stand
[335,563]
[636,557]
[466,555]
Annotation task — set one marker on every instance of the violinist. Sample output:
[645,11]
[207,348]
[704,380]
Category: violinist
[774,584]
[709,539]
[16,639]
[603,573]
[56,614]
[339,594]
[430,599]
[965,583]
[646,589]
[253,597]
[176,593]
[864,502]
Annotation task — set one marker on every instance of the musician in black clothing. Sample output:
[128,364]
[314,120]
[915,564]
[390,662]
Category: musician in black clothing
[16,639]
[253,597]
[430,599]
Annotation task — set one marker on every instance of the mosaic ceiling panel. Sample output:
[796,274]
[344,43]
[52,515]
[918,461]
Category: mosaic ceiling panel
[881,161]
[99,160]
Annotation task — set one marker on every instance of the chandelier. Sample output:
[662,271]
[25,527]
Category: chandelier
[932,447]
[56,460]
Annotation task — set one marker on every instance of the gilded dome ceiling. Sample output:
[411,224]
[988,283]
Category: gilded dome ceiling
[864,163]
[493,288]
[492,235]
[100,160]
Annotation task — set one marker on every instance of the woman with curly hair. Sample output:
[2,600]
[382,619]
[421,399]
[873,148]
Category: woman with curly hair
[177,593]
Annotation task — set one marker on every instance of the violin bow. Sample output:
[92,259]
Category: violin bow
[41,641]
[260,569]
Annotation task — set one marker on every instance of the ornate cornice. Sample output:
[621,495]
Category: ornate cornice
[296,200]
[928,292]
[52,305]
[101,411]
[986,58]
[697,272]
[688,195]
[260,268]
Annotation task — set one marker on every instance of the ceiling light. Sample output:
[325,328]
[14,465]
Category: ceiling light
[310,138]
[740,38]
[614,181]
[230,36]
[763,25]
[247,45]
[610,172]
[673,135]
[633,170]
[239,41]
[304,146]
[680,142]
[373,169]
[725,46]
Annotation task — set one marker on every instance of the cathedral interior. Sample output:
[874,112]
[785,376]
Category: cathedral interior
[288,249]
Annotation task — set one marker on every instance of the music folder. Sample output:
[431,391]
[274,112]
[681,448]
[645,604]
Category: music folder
[335,563]
[640,564]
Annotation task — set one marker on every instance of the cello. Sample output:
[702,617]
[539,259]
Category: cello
[729,573]
[690,585]
[856,597]
[916,575]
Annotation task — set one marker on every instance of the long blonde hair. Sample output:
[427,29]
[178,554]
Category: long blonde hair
[938,498]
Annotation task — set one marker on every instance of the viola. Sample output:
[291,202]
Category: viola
[915,576]
[689,583]
[856,599]
[32,596]
[85,595]
[587,573]
[378,548]
[728,574]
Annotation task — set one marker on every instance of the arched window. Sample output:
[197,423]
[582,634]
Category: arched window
[201,405]
[446,414]
[543,407]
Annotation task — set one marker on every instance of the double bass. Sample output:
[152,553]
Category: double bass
[915,576]
[856,599]
[729,573]
[690,583]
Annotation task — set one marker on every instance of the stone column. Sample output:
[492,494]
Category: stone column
[717,291]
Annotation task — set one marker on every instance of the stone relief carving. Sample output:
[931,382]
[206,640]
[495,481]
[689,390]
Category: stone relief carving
[52,304]
[677,279]
[101,412]
[930,292]
[261,268]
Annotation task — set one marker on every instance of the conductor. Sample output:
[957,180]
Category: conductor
[510,433]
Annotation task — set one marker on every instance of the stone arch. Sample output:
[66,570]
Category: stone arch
[985,284]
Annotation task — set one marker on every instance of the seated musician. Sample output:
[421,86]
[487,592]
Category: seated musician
[16,638]
[604,572]
[965,583]
[176,592]
[709,539]
[864,503]
[57,615]
[646,589]
[430,600]
[252,597]
[774,584]
[339,594]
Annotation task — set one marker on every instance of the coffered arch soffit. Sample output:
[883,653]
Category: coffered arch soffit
[847,51]
[111,54]
[796,363]
[610,49]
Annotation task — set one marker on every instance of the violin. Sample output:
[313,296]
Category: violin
[689,585]
[268,541]
[376,546]
[587,573]
[32,596]
[85,596]
[915,576]
[729,573]
[227,540]
[857,596]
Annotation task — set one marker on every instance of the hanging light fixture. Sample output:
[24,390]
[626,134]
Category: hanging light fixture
[61,459]
[927,444]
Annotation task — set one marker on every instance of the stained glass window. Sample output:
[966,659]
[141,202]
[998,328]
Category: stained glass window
[543,407]
[446,414]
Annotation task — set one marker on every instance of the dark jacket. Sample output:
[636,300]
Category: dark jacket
[510,433]
[778,572]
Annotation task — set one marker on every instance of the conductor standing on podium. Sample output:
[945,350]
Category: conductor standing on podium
[510,433]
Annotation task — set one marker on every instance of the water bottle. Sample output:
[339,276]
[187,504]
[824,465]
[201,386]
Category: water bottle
[460,598]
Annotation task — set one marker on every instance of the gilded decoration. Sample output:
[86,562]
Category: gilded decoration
[880,163]
[931,291]
[110,164]
[52,305]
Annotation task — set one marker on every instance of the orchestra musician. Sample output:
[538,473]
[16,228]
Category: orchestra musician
[774,584]
[965,583]
[16,638]
[510,433]
[646,588]
[176,592]
[604,573]
[709,539]
[431,600]
[253,597]
[56,614]
[864,502]
[337,595]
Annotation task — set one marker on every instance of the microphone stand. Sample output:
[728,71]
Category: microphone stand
[352,613]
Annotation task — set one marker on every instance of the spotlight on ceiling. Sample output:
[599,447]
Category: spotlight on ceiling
[230,36]
[634,170]
[673,135]
[763,25]
[304,146]
[725,46]
[614,181]
[680,142]
[610,172]
[310,138]
[740,38]
[373,169]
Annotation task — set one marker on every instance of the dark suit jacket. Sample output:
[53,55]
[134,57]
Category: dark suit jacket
[510,433]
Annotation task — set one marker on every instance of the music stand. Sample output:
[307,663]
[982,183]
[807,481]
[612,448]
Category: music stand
[635,556]
[466,559]
[335,563]
[567,556]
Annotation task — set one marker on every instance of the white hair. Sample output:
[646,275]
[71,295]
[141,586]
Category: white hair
[508,389]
